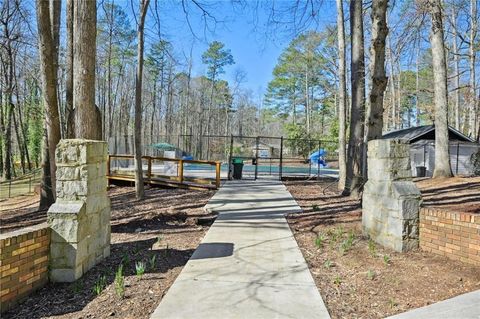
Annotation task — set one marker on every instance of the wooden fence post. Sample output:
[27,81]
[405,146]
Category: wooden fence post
[217,175]
[180,170]
[149,172]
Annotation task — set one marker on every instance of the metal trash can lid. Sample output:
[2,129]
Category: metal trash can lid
[237,161]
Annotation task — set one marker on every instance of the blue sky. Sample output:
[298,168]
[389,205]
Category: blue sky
[242,25]
[243,30]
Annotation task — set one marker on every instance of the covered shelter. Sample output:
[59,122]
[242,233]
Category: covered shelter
[422,149]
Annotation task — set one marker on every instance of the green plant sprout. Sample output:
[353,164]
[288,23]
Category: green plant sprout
[120,282]
[140,268]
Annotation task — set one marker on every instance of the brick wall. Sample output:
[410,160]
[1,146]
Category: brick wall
[455,235]
[23,263]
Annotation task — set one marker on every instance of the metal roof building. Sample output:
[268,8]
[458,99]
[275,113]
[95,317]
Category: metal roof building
[422,148]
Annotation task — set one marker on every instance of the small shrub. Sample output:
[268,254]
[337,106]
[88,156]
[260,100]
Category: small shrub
[137,249]
[328,264]
[386,260]
[339,232]
[337,281]
[151,262]
[77,286]
[372,248]
[100,285]
[140,268]
[347,243]
[120,282]
[319,241]
[392,303]
[371,274]
[315,208]
[125,259]
[335,235]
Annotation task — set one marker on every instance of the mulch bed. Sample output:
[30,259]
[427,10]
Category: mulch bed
[160,231]
[358,278]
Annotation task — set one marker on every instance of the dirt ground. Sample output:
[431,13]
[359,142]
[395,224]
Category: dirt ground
[21,211]
[453,194]
[356,278]
[359,279]
[161,231]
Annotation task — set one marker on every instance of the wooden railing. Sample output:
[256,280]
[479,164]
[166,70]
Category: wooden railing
[181,179]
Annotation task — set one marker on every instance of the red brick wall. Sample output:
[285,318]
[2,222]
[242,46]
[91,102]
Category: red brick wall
[455,235]
[23,263]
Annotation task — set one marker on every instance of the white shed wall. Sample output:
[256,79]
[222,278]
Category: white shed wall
[422,153]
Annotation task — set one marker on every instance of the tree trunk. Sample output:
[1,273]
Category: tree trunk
[417,85]
[442,154]
[378,77]
[354,179]
[48,51]
[70,127]
[393,104]
[46,193]
[456,70]
[139,188]
[7,142]
[84,50]
[342,96]
[472,57]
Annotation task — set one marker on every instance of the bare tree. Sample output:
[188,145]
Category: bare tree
[378,77]
[354,179]
[442,154]
[139,188]
[342,95]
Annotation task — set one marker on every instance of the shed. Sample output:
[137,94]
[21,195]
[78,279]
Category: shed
[265,150]
[422,148]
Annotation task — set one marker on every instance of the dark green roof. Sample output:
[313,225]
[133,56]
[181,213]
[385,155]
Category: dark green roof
[425,132]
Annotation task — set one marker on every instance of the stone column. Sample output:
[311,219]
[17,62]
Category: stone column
[391,201]
[80,218]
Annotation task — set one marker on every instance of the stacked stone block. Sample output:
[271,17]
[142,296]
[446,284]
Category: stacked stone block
[80,217]
[391,201]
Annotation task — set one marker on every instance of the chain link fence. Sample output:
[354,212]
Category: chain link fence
[262,156]
[23,185]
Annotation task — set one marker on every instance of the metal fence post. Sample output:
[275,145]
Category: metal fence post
[230,168]
[257,140]
[318,164]
[280,168]
[456,164]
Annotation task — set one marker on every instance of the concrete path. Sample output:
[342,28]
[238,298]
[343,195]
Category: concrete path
[466,306]
[248,265]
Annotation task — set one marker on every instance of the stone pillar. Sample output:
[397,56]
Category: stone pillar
[80,218]
[391,201]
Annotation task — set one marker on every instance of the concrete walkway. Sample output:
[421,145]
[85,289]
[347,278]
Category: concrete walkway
[248,265]
[466,306]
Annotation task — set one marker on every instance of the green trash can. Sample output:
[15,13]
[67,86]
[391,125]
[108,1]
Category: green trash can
[237,168]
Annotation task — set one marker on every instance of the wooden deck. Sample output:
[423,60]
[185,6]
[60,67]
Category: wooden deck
[180,180]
